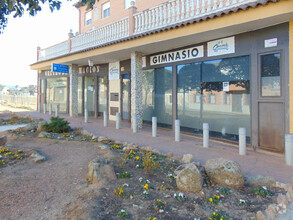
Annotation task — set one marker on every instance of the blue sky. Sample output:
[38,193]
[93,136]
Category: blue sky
[18,43]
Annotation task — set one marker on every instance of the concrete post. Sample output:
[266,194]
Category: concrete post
[45,108]
[132,10]
[117,120]
[154,126]
[105,119]
[242,141]
[206,135]
[136,85]
[73,95]
[177,130]
[50,109]
[134,123]
[289,149]
[86,115]
[40,107]
[57,109]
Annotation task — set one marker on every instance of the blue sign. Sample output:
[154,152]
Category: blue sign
[60,68]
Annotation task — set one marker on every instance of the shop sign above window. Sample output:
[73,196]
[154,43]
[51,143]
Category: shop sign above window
[221,46]
[179,55]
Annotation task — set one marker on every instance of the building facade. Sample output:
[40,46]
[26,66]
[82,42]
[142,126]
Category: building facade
[224,62]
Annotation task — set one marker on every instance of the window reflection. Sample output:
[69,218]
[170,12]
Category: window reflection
[57,93]
[157,96]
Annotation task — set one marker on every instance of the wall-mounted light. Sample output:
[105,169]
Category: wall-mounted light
[91,63]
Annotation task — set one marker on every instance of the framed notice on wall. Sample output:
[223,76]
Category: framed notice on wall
[221,46]
[114,70]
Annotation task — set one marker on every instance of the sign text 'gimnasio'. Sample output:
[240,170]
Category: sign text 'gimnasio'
[178,55]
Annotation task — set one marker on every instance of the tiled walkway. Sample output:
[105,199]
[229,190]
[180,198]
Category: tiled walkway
[254,163]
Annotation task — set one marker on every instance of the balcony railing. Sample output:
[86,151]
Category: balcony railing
[163,15]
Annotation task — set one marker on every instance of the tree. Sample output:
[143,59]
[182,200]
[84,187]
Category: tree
[19,7]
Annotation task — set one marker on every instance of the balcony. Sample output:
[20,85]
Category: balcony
[166,15]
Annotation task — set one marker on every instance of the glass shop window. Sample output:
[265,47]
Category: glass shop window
[270,75]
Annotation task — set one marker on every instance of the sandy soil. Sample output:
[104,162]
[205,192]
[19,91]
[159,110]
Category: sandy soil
[38,191]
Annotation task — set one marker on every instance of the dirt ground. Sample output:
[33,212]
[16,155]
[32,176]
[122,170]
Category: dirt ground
[38,191]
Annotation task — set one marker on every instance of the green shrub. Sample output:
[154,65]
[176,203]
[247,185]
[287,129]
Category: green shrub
[57,125]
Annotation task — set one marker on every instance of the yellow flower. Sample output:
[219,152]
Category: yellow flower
[146,186]
[137,158]
[214,213]
[211,200]
[218,197]
[159,200]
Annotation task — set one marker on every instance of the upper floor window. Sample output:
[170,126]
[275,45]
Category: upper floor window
[128,3]
[106,10]
[96,14]
[88,18]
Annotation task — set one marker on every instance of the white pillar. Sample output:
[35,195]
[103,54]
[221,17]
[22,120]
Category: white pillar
[134,123]
[50,109]
[73,94]
[242,141]
[177,130]
[154,126]
[57,110]
[86,115]
[205,128]
[40,107]
[289,149]
[117,120]
[45,108]
[105,119]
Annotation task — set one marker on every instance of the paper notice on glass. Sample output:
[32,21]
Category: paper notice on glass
[225,86]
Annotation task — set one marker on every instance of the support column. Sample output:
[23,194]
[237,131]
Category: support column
[73,94]
[290,76]
[136,87]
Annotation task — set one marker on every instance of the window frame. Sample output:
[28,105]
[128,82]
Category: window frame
[86,20]
[106,9]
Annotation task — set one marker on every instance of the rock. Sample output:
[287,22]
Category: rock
[101,139]
[169,155]
[3,140]
[40,126]
[99,170]
[271,211]
[104,146]
[225,172]
[282,199]
[30,126]
[259,180]
[260,216]
[37,157]
[187,158]
[43,134]
[86,133]
[289,196]
[128,148]
[189,178]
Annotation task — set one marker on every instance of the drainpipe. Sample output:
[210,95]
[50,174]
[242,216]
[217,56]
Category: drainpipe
[132,10]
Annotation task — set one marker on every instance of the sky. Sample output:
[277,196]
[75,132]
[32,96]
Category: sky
[22,36]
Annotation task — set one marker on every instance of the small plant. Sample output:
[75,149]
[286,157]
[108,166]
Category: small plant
[171,176]
[242,202]
[152,218]
[181,197]
[261,190]
[115,147]
[65,135]
[146,194]
[119,192]
[225,190]
[214,200]
[149,163]
[146,186]
[160,205]
[139,166]
[142,180]
[122,213]
[219,215]
[124,175]
[57,125]
[131,154]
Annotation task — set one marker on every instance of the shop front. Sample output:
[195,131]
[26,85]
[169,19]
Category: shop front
[230,83]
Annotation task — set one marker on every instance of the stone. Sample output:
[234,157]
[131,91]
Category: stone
[187,158]
[99,170]
[260,180]
[30,126]
[100,139]
[104,146]
[282,199]
[37,157]
[260,216]
[271,211]
[189,178]
[3,140]
[40,126]
[86,133]
[43,134]
[169,155]
[289,196]
[128,148]
[225,172]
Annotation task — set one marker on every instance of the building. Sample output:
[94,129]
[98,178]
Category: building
[225,62]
